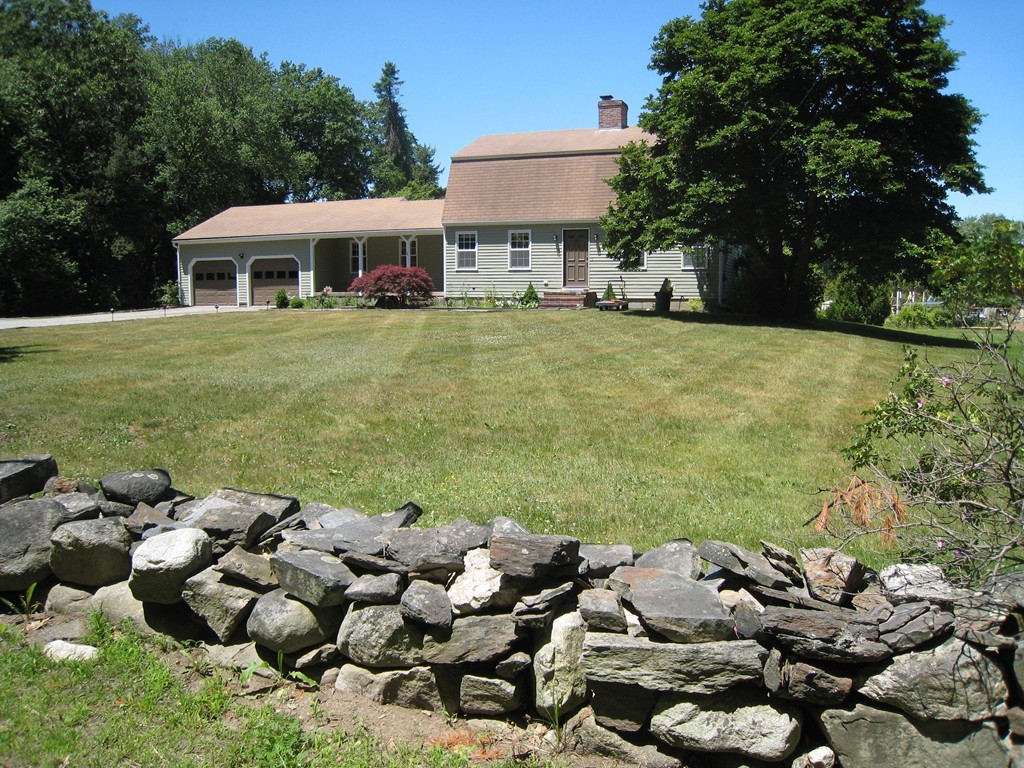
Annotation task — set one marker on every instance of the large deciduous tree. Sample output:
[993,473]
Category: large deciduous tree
[807,132]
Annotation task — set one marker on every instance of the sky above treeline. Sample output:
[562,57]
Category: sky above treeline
[475,68]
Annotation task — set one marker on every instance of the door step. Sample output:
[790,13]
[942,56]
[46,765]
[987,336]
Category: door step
[568,299]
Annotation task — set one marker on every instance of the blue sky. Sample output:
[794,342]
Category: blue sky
[473,68]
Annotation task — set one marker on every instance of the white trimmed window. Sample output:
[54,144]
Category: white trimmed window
[407,256]
[519,249]
[465,250]
[357,262]
[694,257]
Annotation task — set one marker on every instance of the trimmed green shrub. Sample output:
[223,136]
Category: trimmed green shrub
[855,300]
[281,299]
[296,303]
[530,297]
[920,316]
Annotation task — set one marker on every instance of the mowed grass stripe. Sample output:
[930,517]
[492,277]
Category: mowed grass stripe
[624,427]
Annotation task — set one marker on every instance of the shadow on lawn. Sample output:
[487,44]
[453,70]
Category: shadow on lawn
[10,354]
[828,326]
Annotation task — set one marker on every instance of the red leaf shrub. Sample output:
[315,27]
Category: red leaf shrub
[406,284]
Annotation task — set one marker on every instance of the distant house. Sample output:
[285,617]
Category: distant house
[520,208]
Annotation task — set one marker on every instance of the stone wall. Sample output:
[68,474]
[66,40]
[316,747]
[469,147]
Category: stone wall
[688,654]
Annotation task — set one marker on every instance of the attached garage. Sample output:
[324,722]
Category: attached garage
[215,282]
[268,276]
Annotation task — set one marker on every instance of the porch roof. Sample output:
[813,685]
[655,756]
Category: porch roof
[332,218]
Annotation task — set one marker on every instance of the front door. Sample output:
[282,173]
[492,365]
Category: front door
[575,248]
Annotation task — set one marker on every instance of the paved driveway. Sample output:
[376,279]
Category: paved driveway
[7,323]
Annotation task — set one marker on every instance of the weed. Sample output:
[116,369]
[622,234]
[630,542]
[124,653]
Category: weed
[25,606]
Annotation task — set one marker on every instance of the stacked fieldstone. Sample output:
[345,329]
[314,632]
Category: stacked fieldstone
[683,655]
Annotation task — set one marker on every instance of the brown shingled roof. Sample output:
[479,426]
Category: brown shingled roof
[546,176]
[389,214]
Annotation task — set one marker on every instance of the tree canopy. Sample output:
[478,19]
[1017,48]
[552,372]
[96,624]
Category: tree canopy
[982,265]
[807,132]
[111,143]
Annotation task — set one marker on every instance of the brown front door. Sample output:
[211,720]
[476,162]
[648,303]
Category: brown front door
[575,245]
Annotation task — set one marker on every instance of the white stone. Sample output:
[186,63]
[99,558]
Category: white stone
[62,650]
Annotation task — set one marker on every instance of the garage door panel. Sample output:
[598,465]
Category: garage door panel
[268,276]
[215,282]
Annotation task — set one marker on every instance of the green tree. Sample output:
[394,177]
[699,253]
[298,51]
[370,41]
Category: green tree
[982,266]
[324,125]
[807,131]
[73,200]
[400,165]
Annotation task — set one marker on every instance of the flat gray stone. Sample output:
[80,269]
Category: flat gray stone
[161,564]
[25,476]
[509,668]
[317,515]
[489,696]
[740,721]
[144,517]
[25,530]
[79,506]
[229,524]
[535,611]
[601,609]
[436,553]
[68,600]
[678,555]
[675,606]
[953,681]
[470,640]
[743,562]
[278,507]
[532,555]
[92,553]
[426,603]
[282,623]
[222,605]
[842,637]
[913,624]
[383,589]
[602,559]
[583,735]
[148,486]
[864,736]
[379,636]
[687,668]
[314,577]
[248,568]
[911,583]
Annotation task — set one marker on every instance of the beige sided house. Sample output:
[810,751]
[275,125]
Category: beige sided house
[520,208]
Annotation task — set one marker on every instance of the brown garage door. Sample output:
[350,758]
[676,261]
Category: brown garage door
[215,282]
[271,275]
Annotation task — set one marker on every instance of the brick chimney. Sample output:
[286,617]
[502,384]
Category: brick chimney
[612,113]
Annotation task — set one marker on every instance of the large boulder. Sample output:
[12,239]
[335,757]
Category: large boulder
[25,530]
[865,736]
[161,564]
[686,668]
[146,486]
[282,623]
[25,476]
[92,553]
[380,636]
[953,681]
[740,721]
[222,605]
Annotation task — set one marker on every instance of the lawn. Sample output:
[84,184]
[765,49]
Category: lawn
[610,427]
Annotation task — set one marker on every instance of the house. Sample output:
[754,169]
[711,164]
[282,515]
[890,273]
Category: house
[520,208]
